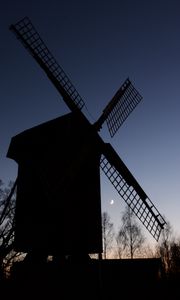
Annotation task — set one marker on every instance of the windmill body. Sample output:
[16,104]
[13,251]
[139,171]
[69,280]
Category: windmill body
[58,207]
[58,188]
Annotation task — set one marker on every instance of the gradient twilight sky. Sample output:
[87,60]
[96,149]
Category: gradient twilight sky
[99,44]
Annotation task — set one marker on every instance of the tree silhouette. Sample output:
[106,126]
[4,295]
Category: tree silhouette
[175,258]
[129,238]
[108,234]
[7,210]
[164,246]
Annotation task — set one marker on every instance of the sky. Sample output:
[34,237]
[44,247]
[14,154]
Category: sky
[99,44]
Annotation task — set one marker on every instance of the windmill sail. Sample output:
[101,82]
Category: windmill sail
[129,189]
[122,104]
[120,107]
[30,38]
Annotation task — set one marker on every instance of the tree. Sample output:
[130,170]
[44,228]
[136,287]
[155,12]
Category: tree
[175,258]
[129,238]
[7,210]
[108,234]
[120,243]
[164,246]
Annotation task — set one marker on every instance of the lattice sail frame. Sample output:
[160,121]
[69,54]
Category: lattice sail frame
[134,196]
[124,102]
[30,38]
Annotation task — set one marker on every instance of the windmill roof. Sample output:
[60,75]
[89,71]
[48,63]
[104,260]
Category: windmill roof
[38,137]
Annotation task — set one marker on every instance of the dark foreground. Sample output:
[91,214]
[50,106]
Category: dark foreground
[105,279]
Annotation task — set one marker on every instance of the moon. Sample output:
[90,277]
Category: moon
[111,201]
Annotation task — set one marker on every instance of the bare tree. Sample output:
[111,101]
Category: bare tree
[108,234]
[175,258]
[120,240]
[164,246]
[7,210]
[129,238]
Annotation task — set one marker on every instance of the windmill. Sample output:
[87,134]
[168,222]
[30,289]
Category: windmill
[58,185]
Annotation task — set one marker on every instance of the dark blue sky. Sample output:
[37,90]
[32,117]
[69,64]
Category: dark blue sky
[99,44]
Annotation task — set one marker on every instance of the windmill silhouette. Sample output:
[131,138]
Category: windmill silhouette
[58,206]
